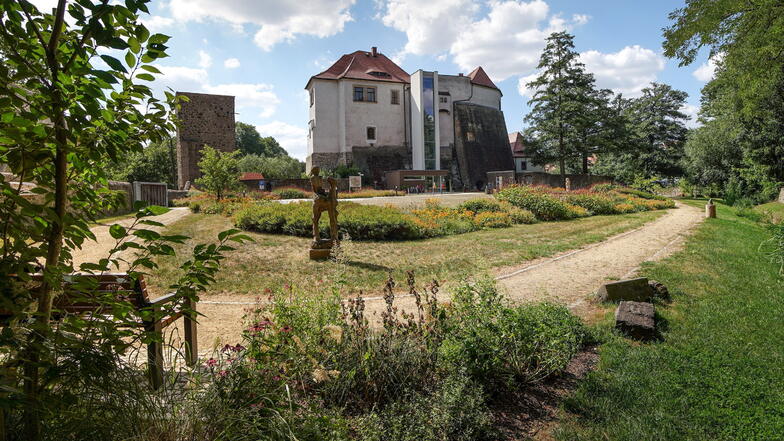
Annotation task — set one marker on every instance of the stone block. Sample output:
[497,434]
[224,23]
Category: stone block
[636,319]
[660,291]
[636,290]
[781,196]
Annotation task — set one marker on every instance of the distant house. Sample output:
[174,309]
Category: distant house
[522,158]
[254,181]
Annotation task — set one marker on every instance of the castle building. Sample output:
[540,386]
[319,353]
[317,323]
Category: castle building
[405,129]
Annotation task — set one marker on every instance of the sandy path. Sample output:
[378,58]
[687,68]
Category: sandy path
[568,278]
[93,251]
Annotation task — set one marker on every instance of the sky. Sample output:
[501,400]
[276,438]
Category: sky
[264,51]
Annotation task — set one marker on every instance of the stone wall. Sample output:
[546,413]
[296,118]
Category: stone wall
[551,180]
[481,145]
[374,161]
[204,119]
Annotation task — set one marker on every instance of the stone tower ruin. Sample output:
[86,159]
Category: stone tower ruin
[204,119]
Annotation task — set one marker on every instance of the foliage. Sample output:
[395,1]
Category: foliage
[155,163]
[275,167]
[290,193]
[220,171]
[542,204]
[480,205]
[560,98]
[646,185]
[776,245]
[740,144]
[361,222]
[369,193]
[344,171]
[249,142]
[712,381]
[493,219]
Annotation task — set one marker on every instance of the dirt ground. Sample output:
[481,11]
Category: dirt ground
[93,251]
[569,278]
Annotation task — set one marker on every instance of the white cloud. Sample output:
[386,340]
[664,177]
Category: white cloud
[431,26]
[205,60]
[692,112]
[278,20]
[249,96]
[627,71]
[522,85]
[156,23]
[231,63]
[705,72]
[292,138]
[507,41]
[258,100]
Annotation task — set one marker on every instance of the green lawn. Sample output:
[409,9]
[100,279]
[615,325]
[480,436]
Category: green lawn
[719,374]
[775,209]
[275,260]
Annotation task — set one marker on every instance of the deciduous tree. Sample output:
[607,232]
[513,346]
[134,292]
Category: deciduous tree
[220,171]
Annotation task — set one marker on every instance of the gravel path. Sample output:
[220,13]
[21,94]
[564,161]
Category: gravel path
[568,278]
[93,251]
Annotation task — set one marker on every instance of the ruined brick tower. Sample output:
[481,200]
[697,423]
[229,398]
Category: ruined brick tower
[204,119]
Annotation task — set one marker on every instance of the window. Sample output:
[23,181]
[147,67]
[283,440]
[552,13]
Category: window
[312,97]
[443,99]
[470,137]
[395,97]
[367,94]
[523,165]
[371,133]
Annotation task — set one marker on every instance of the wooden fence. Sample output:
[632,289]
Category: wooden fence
[154,193]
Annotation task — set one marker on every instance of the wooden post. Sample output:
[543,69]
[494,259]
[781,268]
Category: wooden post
[710,210]
[191,337]
[155,349]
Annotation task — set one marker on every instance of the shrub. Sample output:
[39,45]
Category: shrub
[361,222]
[519,215]
[481,205]
[456,410]
[604,188]
[498,345]
[625,208]
[595,203]
[543,205]
[290,193]
[493,219]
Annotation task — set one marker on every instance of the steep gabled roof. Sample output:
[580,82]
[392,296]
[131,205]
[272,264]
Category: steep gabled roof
[517,145]
[251,176]
[363,65]
[479,77]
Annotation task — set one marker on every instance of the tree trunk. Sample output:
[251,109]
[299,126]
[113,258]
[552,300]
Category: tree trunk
[562,159]
[585,163]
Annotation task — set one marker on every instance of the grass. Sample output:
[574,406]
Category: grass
[775,209]
[275,260]
[719,373]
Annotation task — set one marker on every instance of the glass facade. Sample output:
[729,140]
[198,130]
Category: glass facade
[429,116]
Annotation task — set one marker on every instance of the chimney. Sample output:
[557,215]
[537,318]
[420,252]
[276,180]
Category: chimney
[374,51]
[460,74]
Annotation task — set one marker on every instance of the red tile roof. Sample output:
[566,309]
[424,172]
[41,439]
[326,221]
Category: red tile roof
[517,145]
[363,65]
[250,176]
[479,76]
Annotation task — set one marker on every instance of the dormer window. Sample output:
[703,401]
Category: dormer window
[379,74]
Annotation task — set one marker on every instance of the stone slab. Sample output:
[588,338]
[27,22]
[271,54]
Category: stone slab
[636,319]
[781,196]
[319,254]
[636,290]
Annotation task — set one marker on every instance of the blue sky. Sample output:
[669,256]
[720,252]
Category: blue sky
[264,51]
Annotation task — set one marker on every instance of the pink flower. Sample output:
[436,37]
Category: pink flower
[286,328]
[257,405]
[223,373]
[239,348]
[227,348]
[211,362]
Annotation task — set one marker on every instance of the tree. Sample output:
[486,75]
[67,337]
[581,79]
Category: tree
[220,171]
[249,142]
[280,167]
[559,99]
[62,117]
[600,127]
[744,39]
[155,163]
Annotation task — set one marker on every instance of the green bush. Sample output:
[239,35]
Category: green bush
[290,193]
[604,188]
[360,222]
[594,203]
[519,215]
[493,219]
[502,346]
[481,205]
[543,205]
[455,411]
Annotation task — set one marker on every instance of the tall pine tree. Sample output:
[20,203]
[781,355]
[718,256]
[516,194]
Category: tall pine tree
[561,95]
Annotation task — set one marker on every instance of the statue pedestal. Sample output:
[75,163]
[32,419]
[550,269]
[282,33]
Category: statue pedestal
[321,250]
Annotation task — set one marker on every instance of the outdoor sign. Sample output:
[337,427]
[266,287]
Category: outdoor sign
[355,181]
